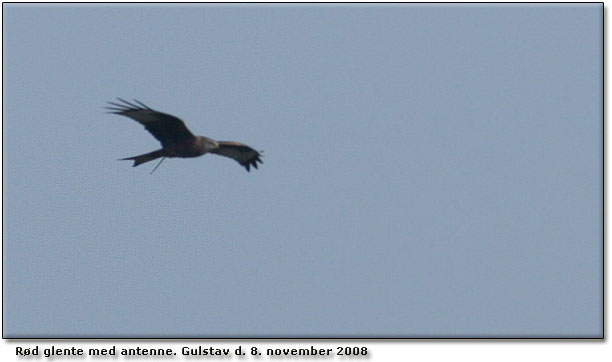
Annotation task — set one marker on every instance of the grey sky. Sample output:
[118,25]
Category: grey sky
[429,171]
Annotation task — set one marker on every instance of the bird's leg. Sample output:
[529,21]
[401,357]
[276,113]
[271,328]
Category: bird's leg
[160,161]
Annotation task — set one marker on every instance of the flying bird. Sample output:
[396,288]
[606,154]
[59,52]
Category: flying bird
[177,140]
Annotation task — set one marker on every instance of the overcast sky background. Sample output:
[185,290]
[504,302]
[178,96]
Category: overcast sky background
[429,171]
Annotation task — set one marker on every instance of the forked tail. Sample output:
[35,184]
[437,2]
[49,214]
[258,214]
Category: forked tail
[145,158]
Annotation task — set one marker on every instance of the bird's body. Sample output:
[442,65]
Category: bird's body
[177,140]
[197,147]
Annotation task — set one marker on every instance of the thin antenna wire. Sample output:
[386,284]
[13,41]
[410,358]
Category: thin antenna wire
[162,160]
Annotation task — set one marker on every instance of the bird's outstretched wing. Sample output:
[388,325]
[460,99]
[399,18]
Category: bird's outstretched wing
[165,127]
[245,155]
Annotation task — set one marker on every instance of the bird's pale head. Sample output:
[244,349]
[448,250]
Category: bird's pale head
[210,144]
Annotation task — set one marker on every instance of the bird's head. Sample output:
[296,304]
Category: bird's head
[209,144]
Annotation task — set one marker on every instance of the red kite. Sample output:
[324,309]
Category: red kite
[177,140]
